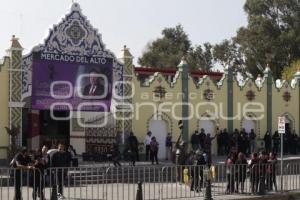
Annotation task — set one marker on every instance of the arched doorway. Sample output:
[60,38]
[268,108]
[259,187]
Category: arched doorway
[209,127]
[289,123]
[159,130]
[248,124]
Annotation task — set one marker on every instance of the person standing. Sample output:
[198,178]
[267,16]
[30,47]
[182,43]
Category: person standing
[198,163]
[40,165]
[60,160]
[181,155]
[45,156]
[271,172]
[254,173]
[241,170]
[268,142]
[195,140]
[202,137]
[226,138]
[220,143]
[133,144]
[147,144]
[46,159]
[115,155]
[207,147]
[235,141]
[294,142]
[154,150]
[72,152]
[230,173]
[169,146]
[19,163]
[244,142]
[276,142]
[252,137]
[263,164]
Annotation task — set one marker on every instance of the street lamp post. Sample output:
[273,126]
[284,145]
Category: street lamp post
[183,68]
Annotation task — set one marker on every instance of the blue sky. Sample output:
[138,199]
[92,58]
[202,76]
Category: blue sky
[130,22]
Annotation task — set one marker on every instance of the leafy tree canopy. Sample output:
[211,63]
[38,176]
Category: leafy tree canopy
[289,72]
[167,51]
[272,35]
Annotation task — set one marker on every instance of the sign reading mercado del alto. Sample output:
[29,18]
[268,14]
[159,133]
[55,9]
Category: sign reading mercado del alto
[71,82]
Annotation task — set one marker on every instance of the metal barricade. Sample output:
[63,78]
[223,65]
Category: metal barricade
[158,182]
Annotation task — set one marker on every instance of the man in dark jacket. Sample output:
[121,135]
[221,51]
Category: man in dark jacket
[60,161]
[133,146]
[21,165]
[276,142]
[268,142]
[220,143]
[252,139]
[202,136]
[225,142]
[207,147]
[195,140]
[198,163]
[263,164]
[94,88]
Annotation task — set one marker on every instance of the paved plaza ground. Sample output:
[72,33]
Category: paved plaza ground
[151,191]
[127,192]
[215,159]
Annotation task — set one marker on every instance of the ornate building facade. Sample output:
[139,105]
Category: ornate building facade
[151,100]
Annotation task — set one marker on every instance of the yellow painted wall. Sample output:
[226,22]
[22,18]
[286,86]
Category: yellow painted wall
[4,86]
[196,90]
[214,109]
[144,94]
[280,107]
[242,106]
[144,113]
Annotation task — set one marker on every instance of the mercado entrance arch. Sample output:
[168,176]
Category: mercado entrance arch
[71,71]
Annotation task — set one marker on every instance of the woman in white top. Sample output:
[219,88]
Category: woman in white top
[147,144]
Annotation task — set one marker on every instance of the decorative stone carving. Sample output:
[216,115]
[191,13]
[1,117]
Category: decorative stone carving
[74,35]
[287,96]
[250,95]
[208,94]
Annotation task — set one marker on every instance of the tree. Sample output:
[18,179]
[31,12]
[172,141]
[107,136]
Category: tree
[272,35]
[201,58]
[289,72]
[166,52]
[228,53]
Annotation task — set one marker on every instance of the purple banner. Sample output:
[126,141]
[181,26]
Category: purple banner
[66,82]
